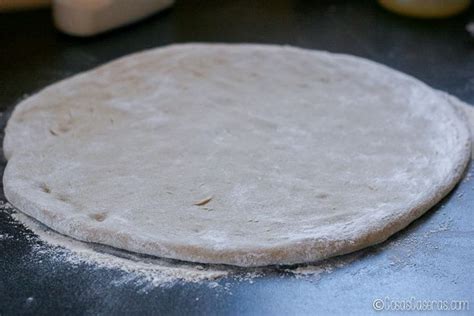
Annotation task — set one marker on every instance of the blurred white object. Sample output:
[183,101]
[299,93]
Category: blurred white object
[470,29]
[426,8]
[91,17]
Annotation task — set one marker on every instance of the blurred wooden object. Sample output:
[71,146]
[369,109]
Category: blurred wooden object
[91,17]
[426,8]
[10,5]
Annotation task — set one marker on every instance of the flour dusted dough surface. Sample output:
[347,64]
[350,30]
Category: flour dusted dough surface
[468,111]
[305,154]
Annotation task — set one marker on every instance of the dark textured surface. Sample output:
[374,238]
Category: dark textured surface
[431,260]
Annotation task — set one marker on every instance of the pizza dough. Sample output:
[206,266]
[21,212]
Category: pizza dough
[468,111]
[237,154]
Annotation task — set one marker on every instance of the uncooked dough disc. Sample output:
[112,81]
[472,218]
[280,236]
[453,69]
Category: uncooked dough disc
[237,154]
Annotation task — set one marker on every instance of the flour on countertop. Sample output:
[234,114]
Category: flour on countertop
[150,272]
[5,236]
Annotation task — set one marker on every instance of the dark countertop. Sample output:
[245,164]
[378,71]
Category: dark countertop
[430,260]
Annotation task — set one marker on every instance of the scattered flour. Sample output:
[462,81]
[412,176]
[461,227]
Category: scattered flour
[148,272]
[316,271]
[5,237]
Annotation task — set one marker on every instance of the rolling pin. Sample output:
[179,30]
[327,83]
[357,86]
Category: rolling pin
[91,17]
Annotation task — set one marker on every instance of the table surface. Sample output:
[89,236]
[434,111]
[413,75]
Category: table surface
[430,260]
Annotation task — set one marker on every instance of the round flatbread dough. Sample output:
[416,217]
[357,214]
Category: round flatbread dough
[237,154]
